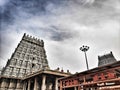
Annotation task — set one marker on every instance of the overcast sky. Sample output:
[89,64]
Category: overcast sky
[64,25]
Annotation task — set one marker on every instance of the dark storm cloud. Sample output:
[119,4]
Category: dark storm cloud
[58,34]
[27,8]
[23,9]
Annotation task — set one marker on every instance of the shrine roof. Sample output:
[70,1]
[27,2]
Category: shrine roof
[48,72]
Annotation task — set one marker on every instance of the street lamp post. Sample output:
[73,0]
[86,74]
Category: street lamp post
[85,49]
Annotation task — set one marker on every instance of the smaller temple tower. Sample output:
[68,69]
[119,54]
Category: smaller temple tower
[28,57]
[106,59]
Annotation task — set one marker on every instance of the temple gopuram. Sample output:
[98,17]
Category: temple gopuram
[28,68]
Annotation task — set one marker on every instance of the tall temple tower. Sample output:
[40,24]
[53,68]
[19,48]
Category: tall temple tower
[28,57]
[106,59]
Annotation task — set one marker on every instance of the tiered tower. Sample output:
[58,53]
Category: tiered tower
[106,59]
[28,57]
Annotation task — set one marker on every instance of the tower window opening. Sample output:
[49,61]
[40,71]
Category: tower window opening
[33,65]
[33,58]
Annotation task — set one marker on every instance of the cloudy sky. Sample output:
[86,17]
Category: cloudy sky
[64,25]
